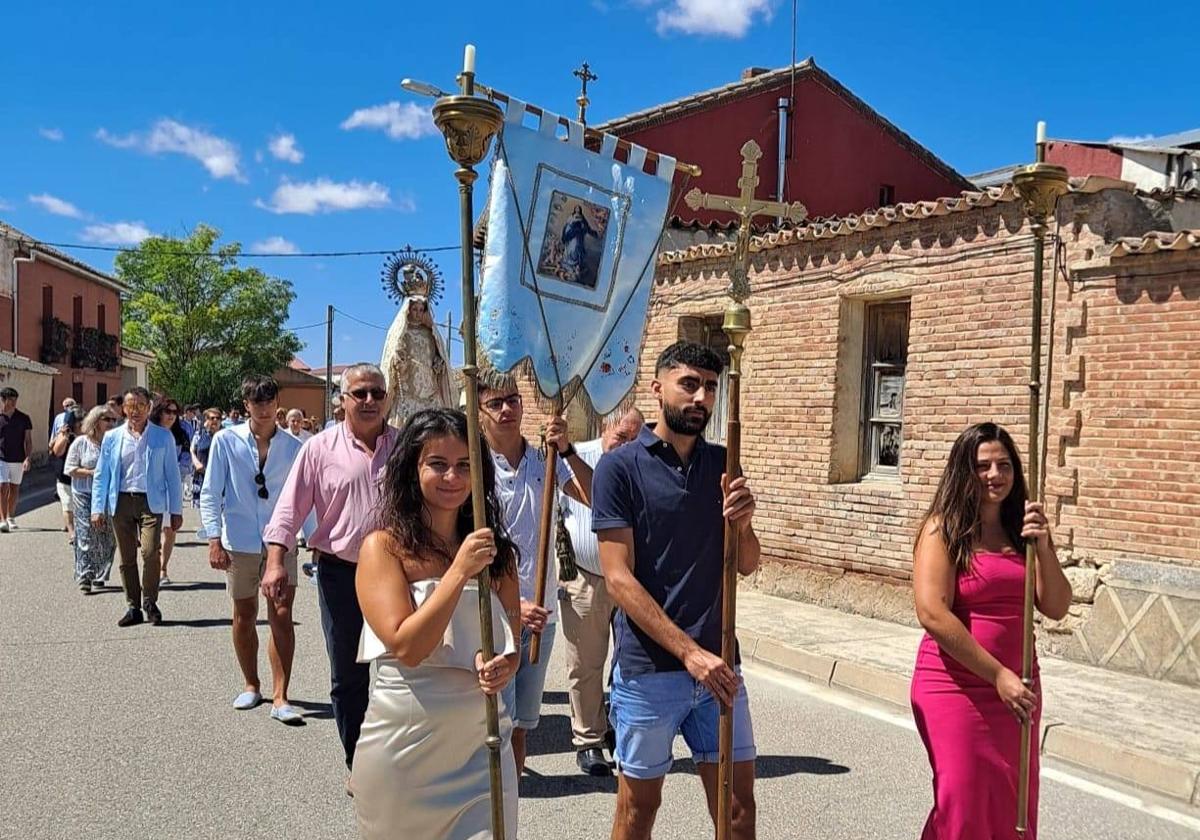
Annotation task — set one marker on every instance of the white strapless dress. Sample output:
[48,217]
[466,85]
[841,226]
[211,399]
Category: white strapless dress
[421,765]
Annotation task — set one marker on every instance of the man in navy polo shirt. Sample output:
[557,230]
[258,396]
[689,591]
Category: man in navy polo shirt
[659,508]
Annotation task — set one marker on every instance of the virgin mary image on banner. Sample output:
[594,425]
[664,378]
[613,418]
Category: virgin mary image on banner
[574,240]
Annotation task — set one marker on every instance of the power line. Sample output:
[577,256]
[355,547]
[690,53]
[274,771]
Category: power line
[359,320]
[307,326]
[254,254]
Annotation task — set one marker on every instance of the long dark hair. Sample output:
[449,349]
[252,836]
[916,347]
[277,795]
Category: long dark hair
[955,506]
[402,506]
[176,429]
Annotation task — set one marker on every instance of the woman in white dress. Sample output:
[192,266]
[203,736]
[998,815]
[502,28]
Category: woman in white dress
[421,764]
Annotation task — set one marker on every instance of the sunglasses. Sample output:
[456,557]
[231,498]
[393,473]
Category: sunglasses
[261,481]
[497,403]
[361,394]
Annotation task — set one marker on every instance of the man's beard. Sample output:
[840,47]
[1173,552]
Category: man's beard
[684,422]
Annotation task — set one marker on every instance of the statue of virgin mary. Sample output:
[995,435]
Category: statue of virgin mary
[415,359]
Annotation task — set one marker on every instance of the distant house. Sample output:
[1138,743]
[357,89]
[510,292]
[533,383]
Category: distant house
[1170,162]
[822,145]
[62,312]
[300,387]
[336,375]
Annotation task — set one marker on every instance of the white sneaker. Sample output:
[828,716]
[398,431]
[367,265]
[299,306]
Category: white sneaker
[12,524]
[3,526]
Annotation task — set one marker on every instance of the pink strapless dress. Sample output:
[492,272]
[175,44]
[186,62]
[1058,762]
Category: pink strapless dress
[973,741]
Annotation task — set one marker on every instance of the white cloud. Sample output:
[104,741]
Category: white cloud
[283,147]
[116,233]
[54,135]
[4,205]
[399,121]
[216,154]
[55,205]
[274,245]
[731,18]
[326,196]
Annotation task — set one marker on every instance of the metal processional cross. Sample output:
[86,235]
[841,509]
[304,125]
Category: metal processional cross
[585,75]
[736,325]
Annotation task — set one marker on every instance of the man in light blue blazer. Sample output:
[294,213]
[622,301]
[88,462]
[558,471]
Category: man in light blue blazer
[136,483]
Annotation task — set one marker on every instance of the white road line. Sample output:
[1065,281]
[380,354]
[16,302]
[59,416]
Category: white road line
[836,697]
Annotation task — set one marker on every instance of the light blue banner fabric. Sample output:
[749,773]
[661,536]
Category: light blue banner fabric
[593,228]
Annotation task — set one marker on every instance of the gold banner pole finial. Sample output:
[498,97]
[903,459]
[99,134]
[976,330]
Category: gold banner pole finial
[1039,184]
[469,124]
[736,326]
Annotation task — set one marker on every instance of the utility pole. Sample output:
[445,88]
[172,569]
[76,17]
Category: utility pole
[328,363]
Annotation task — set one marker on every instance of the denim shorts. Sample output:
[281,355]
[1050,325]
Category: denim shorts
[649,710]
[523,694]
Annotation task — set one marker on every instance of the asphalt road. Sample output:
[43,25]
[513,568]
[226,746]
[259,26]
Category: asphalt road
[111,733]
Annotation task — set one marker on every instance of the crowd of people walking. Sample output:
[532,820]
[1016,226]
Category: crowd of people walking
[643,512]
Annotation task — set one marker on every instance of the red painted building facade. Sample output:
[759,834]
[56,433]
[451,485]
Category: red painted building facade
[841,157]
[67,315]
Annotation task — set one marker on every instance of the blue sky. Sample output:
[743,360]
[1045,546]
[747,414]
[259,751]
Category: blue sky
[274,122]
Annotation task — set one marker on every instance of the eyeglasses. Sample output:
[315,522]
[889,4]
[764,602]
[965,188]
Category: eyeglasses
[261,481]
[361,394]
[496,403]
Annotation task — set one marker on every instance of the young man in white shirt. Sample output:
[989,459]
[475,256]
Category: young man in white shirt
[247,467]
[520,472]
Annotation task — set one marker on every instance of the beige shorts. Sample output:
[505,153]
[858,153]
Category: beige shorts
[245,573]
[64,495]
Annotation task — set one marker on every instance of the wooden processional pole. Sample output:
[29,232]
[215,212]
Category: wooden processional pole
[736,326]
[469,123]
[1039,186]
[546,523]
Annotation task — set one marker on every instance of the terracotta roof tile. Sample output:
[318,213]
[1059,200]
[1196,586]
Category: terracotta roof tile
[847,225]
[1155,241]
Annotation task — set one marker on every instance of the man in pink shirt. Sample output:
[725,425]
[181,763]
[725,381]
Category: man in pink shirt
[336,476]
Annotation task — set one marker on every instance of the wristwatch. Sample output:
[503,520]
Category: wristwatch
[568,452]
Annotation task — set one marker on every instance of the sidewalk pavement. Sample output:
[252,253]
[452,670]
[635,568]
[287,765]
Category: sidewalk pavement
[1139,731]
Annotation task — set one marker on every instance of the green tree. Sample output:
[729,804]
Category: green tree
[208,321]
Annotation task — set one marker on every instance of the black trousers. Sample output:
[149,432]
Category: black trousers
[341,622]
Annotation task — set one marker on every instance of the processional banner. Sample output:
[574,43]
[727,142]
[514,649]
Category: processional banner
[568,265]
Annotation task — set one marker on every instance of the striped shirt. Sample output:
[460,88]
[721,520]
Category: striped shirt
[578,516]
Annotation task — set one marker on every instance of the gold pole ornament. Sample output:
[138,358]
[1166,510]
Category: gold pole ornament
[1039,184]
[736,326]
[469,124]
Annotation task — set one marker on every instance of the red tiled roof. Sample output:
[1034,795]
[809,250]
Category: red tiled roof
[883,217]
[768,80]
[1155,241]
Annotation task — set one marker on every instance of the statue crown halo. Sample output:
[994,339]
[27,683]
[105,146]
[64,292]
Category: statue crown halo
[409,273]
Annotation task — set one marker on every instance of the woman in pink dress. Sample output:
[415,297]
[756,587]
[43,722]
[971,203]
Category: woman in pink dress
[968,579]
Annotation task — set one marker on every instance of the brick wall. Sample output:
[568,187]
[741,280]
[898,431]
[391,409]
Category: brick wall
[1121,372]
[1128,437]
[1122,388]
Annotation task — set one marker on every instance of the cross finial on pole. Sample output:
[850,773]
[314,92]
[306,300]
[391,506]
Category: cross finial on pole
[746,207]
[585,75]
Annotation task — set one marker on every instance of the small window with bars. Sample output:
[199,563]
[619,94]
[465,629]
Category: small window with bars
[707,330]
[885,359]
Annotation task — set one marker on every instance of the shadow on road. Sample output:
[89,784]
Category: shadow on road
[205,622]
[315,710]
[193,586]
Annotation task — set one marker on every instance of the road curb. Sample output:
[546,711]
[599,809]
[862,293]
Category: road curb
[1095,752]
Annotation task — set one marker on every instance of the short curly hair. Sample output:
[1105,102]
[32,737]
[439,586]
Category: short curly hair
[691,354]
